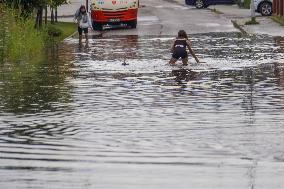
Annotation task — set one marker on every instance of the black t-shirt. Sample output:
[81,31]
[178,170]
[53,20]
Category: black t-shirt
[180,45]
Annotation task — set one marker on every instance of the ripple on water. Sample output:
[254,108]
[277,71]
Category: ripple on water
[86,120]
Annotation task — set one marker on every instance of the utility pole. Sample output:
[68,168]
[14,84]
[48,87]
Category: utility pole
[87,5]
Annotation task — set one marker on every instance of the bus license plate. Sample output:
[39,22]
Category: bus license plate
[114,20]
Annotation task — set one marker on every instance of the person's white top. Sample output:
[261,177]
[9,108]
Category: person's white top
[82,21]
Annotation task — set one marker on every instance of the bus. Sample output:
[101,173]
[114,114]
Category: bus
[114,12]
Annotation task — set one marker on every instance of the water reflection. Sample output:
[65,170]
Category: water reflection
[118,48]
[36,87]
[87,120]
[184,75]
[280,41]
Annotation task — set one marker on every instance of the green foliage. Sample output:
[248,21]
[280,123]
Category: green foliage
[252,22]
[20,40]
[67,29]
[3,35]
[245,4]
[54,31]
[27,8]
[278,19]
[30,5]
[56,3]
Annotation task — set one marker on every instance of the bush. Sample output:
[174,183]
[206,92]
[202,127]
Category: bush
[54,31]
[244,3]
[247,4]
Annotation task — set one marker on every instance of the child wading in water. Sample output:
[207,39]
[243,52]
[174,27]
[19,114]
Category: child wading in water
[179,49]
[84,23]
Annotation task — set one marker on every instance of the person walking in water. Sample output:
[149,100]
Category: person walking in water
[84,23]
[179,49]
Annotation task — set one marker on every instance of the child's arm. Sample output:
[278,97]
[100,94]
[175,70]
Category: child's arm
[76,16]
[192,52]
[173,47]
[90,22]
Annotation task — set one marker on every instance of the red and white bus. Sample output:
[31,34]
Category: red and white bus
[114,12]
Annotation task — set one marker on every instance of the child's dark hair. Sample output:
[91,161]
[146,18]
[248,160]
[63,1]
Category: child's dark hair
[182,34]
[82,7]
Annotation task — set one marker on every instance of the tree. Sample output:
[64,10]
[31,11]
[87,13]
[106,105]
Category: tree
[53,8]
[252,9]
[29,7]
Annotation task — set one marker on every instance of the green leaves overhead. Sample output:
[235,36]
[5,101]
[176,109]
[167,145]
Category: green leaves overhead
[30,5]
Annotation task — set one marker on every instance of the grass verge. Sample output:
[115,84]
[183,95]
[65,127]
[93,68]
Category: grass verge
[216,11]
[252,22]
[237,26]
[20,41]
[278,19]
[65,29]
[19,38]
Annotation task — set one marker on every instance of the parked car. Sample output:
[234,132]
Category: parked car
[264,7]
[205,3]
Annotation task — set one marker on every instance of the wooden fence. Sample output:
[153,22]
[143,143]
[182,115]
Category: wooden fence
[278,7]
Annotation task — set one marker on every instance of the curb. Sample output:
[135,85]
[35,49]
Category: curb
[239,27]
[72,35]
[234,22]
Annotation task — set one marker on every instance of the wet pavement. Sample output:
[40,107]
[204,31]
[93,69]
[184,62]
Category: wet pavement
[266,25]
[164,17]
[114,115]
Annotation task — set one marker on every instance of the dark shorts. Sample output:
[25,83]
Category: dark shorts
[81,30]
[180,54]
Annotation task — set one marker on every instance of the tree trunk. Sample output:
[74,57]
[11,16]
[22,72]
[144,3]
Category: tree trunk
[56,19]
[45,16]
[52,15]
[40,16]
[37,19]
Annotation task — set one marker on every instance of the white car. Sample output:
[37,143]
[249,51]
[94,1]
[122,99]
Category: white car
[264,7]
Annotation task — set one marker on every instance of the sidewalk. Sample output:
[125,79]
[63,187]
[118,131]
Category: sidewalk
[240,16]
[182,2]
[66,12]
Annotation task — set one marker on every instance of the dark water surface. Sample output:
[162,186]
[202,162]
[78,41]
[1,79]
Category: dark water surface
[82,119]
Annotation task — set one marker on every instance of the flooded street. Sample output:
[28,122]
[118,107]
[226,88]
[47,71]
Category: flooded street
[115,115]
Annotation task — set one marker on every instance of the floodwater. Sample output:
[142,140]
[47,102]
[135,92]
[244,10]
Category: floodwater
[114,115]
